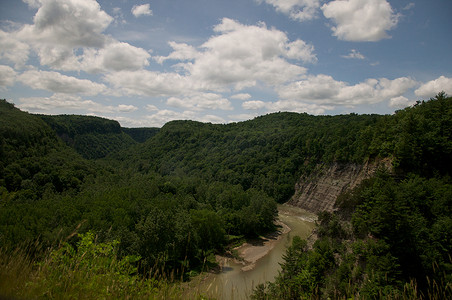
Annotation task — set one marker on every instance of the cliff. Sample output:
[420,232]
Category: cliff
[318,191]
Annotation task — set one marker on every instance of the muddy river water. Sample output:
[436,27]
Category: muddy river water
[236,280]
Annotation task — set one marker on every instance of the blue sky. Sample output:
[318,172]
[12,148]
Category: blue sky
[145,63]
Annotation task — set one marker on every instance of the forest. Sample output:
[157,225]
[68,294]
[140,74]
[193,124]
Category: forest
[165,200]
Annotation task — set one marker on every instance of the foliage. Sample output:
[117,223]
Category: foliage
[87,270]
[268,153]
[172,196]
[92,137]
[392,235]
[142,134]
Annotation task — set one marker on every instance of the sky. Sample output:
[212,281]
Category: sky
[144,63]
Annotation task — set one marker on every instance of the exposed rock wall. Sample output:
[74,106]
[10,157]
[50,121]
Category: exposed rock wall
[318,191]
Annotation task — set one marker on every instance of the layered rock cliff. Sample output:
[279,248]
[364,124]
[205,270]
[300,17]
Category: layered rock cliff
[318,191]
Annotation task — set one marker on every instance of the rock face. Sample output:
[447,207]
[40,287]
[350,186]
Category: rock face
[318,191]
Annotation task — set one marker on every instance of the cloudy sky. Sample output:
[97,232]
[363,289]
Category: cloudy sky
[145,63]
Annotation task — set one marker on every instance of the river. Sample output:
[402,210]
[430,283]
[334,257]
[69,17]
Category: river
[235,283]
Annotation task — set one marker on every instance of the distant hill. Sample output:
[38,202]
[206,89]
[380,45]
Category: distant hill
[141,135]
[92,137]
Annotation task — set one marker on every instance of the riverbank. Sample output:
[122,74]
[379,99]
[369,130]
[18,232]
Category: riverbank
[253,250]
[255,261]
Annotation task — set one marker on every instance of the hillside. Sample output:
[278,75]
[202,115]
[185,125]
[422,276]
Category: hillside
[391,236]
[175,196]
[268,153]
[141,135]
[92,137]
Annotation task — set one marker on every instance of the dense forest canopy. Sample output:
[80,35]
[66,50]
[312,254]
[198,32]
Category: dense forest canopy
[176,195]
[391,237]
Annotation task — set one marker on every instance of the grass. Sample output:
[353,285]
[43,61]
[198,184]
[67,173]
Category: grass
[89,271]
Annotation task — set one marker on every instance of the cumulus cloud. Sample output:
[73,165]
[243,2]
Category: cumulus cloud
[400,102]
[354,54]
[201,101]
[238,56]
[7,77]
[126,108]
[299,10]
[141,10]
[255,104]
[61,103]
[181,51]
[360,20]
[69,35]
[13,50]
[59,83]
[433,87]
[116,56]
[148,83]
[242,55]
[324,89]
[241,96]
[151,107]
[72,23]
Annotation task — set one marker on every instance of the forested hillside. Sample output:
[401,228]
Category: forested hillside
[391,237]
[171,222]
[92,137]
[172,197]
[268,153]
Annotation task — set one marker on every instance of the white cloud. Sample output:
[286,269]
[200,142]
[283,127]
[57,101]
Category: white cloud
[181,51]
[242,96]
[116,56]
[239,56]
[299,10]
[71,23]
[63,28]
[69,35]
[253,105]
[387,88]
[58,83]
[148,83]
[151,107]
[141,10]
[7,77]
[354,54]
[57,103]
[200,101]
[360,20]
[242,55]
[433,87]
[12,49]
[63,103]
[126,108]
[323,89]
[400,102]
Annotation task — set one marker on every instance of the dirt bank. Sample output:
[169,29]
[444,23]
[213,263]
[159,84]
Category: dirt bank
[253,250]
